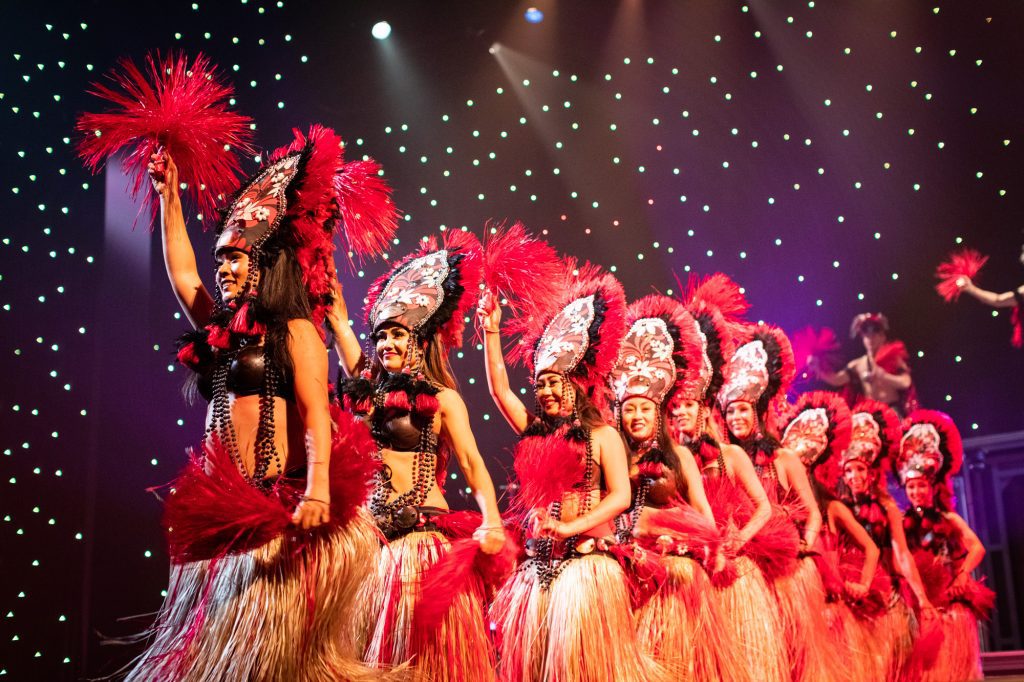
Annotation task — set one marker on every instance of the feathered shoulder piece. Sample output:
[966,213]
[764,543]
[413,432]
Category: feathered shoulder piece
[661,350]
[876,434]
[819,432]
[430,291]
[171,103]
[930,447]
[579,334]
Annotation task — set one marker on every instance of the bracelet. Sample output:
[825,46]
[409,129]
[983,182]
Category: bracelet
[498,527]
[307,498]
[491,331]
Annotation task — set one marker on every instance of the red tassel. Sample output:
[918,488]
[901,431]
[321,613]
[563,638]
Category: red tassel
[962,263]
[218,337]
[397,400]
[426,405]
[242,322]
[173,104]
[187,355]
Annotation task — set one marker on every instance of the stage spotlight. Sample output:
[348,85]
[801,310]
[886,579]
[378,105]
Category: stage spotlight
[534,15]
[381,30]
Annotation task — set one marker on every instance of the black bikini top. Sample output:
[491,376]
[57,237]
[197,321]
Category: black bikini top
[245,376]
[402,431]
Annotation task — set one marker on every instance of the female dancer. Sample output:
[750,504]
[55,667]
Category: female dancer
[565,613]
[862,487]
[680,624]
[406,392]
[757,376]
[818,431]
[945,548]
[740,505]
[249,596]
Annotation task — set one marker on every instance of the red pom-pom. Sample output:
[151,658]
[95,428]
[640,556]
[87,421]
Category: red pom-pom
[426,405]
[962,263]
[820,344]
[172,104]
[397,400]
[242,322]
[187,355]
[218,337]
[546,467]
[520,268]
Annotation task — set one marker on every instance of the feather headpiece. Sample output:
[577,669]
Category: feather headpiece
[818,432]
[930,448]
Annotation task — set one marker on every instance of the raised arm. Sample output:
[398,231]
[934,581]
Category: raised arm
[615,470]
[744,474]
[694,483]
[796,475]
[179,258]
[488,315]
[836,379]
[455,427]
[841,516]
[346,345]
[903,559]
[1007,299]
[309,359]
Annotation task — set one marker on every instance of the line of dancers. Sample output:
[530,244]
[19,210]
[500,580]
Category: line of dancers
[673,516]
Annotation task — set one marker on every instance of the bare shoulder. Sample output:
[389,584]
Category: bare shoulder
[449,398]
[303,330]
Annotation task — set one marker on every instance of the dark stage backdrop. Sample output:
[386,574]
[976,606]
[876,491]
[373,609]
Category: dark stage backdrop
[826,154]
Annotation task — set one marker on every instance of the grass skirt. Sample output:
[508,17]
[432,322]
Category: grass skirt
[959,657]
[280,611]
[579,629]
[459,648]
[752,614]
[682,628]
[814,655]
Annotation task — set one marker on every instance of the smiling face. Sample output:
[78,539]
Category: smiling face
[857,476]
[639,418]
[551,391]
[685,415]
[392,345]
[740,418]
[919,492]
[232,271]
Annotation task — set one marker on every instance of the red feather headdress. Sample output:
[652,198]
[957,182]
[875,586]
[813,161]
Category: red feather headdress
[719,291]
[661,352]
[762,377]
[930,447]
[819,432]
[579,333]
[171,104]
[876,434]
[445,299]
[961,263]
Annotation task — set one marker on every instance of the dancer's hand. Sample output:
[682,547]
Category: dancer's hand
[312,511]
[491,538]
[555,529]
[856,590]
[488,312]
[163,173]
[963,283]
[337,314]
[959,585]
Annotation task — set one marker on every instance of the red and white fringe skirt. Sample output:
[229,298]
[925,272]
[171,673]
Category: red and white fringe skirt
[580,629]
[458,649]
[280,611]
